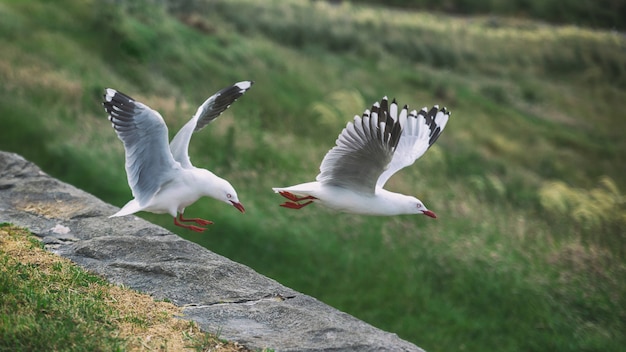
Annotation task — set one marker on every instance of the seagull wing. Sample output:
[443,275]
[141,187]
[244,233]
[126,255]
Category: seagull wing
[207,112]
[363,150]
[419,131]
[149,162]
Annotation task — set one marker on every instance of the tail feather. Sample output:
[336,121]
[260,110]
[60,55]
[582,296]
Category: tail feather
[130,208]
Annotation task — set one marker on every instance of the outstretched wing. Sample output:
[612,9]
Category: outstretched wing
[363,150]
[149,162]
[419,131]
[207,112]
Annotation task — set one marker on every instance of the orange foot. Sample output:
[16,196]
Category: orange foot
[192,227]
[293,204]
[294,198]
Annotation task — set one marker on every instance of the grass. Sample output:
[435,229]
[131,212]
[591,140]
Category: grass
[527,179]
[598,14]
[49,303]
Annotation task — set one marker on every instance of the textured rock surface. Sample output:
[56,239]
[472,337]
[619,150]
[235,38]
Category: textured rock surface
[219,294]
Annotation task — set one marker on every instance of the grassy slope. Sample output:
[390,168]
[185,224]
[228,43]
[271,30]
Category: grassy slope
[48,303]
[597,14]
[531,104]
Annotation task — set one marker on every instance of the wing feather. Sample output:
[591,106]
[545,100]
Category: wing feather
[149,162]
[419,131]
[362,152]
[206,113]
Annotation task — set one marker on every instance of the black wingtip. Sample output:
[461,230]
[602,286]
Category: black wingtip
[384,104]
[222,101]
[393,130]
[243,86]
[118,104]
[435,128]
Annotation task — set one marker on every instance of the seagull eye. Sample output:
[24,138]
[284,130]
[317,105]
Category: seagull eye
[419,205]
[229,196]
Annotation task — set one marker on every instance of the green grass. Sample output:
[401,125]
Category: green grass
[527,179]
[48,303]
[598,14]
[54,310]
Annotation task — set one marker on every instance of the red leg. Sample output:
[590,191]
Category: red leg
[293,205]
[196,220]
[292,197]
[189,227]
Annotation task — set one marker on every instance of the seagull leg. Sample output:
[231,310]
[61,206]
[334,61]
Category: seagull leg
[292,197]
[189,227]
[293,205]
[196,220]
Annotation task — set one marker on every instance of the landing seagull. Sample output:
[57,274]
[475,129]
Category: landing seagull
[367,153]
[161,176]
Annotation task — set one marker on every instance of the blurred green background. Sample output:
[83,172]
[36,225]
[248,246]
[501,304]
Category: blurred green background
[527,253]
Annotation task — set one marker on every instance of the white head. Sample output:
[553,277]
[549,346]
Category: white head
[221,189]
[421,209]
[412,205]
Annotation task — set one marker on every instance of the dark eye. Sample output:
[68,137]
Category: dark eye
[419,205]
[229,196]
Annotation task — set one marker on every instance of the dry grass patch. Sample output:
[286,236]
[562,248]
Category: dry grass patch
[138,321]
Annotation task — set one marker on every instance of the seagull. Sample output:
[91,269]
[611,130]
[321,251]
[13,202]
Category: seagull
[368,152]
[161,176]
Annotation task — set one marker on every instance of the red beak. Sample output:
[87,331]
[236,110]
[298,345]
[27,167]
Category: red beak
[238,206]
[430,213]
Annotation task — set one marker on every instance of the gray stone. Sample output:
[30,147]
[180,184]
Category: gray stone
[219,294]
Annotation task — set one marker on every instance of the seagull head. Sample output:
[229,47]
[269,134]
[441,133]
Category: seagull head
[397,204]
[230,197]
[224,191]
[417,207]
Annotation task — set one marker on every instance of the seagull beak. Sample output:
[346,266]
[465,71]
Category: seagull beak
[430,213]
[238,206]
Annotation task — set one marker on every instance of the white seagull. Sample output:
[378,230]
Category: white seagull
[161,176]
[367,153]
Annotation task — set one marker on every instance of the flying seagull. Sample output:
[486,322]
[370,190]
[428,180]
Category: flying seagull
[161,176]
[368,152]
